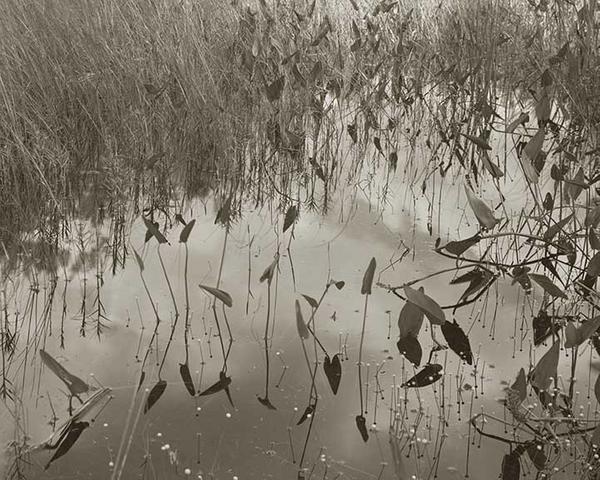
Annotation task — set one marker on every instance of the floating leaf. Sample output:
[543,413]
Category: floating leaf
[139,260]
[311,301]
[535,450]
[155,394]
[270,271]
[185,233]
[410,347]
[430,373]
[520,385]
[154,231]
[482,212]
[184,371]
[459,247]
[307,411]
[458,341]
[410,319]
[290,217]
[367,282]
[549,287]
[333,372]
[546,369]
[339,284]
[480,142]
[267,403]
[220,294]
[428,305]
[511,467]
[222,384]
[361,424]
[68,439]
[583,333]
[302,328]
[75,385]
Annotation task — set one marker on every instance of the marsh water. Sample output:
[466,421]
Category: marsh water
[101,327]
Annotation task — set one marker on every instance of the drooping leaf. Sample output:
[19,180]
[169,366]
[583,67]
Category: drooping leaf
[428,305]
[155,394]
[75,385]
[361,424]
[141,382]
[311,301]
[154,231]
[546,368]
[429,374]
[300,325]
[535,450]
[307,411]
[186,377]
[410,347]
[556,228]
[377,143]
[458,341]
[290,217]
[139,260]
[367,281]
[480,142]
[583,333]
[511,467]
[333,372]
[549,287]
[477,279]
[267,403]
[410,320]
[493,169]
[339,284]
[180,219]
[521,276]
[185,233]
[520,385]
[270,271]
[68,439]
[219,294]
[458,247]
[482,212]
[221,385]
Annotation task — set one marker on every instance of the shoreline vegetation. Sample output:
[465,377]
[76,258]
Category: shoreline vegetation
[111,111]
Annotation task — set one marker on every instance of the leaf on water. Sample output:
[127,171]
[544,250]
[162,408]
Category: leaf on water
[68,439]
[367,282]
[267,403]
[219,294]
[556,228]
[307,411]
[428,305]
[410,319]
[459,247]
[302,328]
[535,450]
[154,231]
[511,467]
[549,287]
[410,347]
[361,424]
[458,341]
[290,217]
[139,260]
[480,142]
[339,284]
[155,394]
[546,369]
[429,374]
[186,377]
[270,271]
[311,301]
[185,233]
[520,385]
[583,333]
[275,89]
[520,120]
[482,212]
[333,372]
[73,383]
[222,384]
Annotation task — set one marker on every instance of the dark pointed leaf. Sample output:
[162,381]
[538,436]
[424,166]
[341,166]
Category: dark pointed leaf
[511,467]
[428,305]
[458,341]
[520,120]
[333,372]
[410,320]
[73,383]
[546,369]
[153,229]
[219,294]
[185,233]
[429,374]
[141,382]
[301,326]
[548,286]
[367,282]
[583,333]
[180,219]
[557,227]
[593,267]
[270,271]
[377,142]
[186,377]
[339,284]
[593,239]
[410,347]
[311,301]
[459,247]
[361,424]
[290,217]
[543,327]
[155,394]
[216,387]
[597,388]
[68,439]
[480,142]
[139,260]
[520,385]
[482,212]
[535,450]
[548,203]
[352,132]
[307,411]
